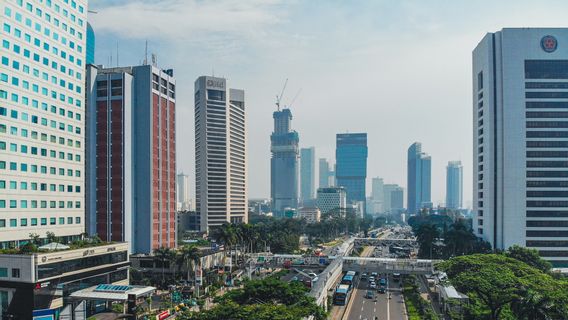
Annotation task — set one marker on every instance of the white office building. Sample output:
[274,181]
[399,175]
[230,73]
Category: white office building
[332,199]
[520,111]
[220,153]
[310,214]
[183,193]
[454,185]
[42,119]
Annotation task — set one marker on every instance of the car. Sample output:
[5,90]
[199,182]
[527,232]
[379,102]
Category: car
[295,278]
[374,274]
[371,279]
[382,289]
[370,294]
[372,285]
[364,276]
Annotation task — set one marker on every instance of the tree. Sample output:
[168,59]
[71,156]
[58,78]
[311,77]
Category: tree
[35,239]
[51,237]
[163,254]
[426,234]
[499,285]
[529,256]
[189,255]
[227,236]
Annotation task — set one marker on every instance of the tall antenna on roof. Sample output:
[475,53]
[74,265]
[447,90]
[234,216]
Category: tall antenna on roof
[146,54]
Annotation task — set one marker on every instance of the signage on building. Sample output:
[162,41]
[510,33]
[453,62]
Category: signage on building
[212,83]
[548,43]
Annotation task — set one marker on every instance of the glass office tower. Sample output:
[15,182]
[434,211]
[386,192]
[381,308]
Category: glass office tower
[351,171]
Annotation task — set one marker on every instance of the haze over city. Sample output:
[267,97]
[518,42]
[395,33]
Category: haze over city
[400,71]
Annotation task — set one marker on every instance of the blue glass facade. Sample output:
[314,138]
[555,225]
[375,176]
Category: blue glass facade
[419,178]
[90,58]
[351,171]
[284,170]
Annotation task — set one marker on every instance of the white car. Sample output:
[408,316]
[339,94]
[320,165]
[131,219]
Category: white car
[373,285]
[371,279]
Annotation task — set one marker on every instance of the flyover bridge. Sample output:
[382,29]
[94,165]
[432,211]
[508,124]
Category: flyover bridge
[360,264]
[388,265]
[385,242]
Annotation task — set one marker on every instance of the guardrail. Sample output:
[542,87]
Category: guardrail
[326,281]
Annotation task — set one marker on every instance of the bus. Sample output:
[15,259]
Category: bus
[347,280]
[351,273]
[341,295]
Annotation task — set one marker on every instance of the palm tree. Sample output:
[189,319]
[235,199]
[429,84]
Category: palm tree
[162,254]
[189,255]
[226,235]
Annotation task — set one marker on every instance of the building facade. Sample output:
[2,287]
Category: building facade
[220,153]
[131,156]
[42,120]
[377,195]
[419,166]
[183,193]
[520,144]
[284,169]
[307,174]
[454,185]
[397,200]
[351,171]
[90,45]
[324,173]
[332,199]
[39,285]
[310,214]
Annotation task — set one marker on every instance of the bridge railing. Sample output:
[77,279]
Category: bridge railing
[326,281]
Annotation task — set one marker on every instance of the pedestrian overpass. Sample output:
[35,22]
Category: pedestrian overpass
[389,265]
[359,264]
[385,242]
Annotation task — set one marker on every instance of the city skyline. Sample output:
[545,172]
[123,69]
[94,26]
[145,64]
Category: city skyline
[306,56]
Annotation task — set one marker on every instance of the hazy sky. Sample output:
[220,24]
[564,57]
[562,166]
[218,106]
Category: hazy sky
[398,70]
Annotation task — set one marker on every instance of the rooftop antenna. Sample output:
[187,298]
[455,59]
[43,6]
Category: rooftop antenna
[117,64]
[279,97]
[146,54]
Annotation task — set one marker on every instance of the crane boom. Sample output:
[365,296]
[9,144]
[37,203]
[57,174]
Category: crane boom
[279,97]
[294,99]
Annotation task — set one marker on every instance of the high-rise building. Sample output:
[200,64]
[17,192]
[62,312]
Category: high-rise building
[220,153]
[351,157]
[388,205]
[377,195]
[90,58]
[183,195]
[324,173]
[42,120]
[520,143]
[454,185]
[419,179]
[284,169]
[396,200]
[307,173]
[131,156]
[332,199]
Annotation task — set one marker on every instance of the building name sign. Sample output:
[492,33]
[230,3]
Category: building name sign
[211,83]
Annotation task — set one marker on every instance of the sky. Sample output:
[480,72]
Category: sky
[399,70]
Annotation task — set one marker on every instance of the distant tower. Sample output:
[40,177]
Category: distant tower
[454,185]
[220,153]
[307,173]
[351,170]
[324,173]
[419,179]
[284,163]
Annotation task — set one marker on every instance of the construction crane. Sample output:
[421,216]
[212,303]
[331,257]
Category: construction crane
[295,97]
[279,97]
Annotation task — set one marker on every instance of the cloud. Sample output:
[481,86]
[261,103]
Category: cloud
[187,20]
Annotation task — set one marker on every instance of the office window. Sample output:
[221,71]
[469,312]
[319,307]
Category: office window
[15,273]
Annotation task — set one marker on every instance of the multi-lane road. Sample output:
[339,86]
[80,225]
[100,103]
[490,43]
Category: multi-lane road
[383,308]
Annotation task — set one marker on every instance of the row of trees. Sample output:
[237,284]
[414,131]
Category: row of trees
[267,299]
[186,255]
[516,284]
[283,235]
[440,238]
